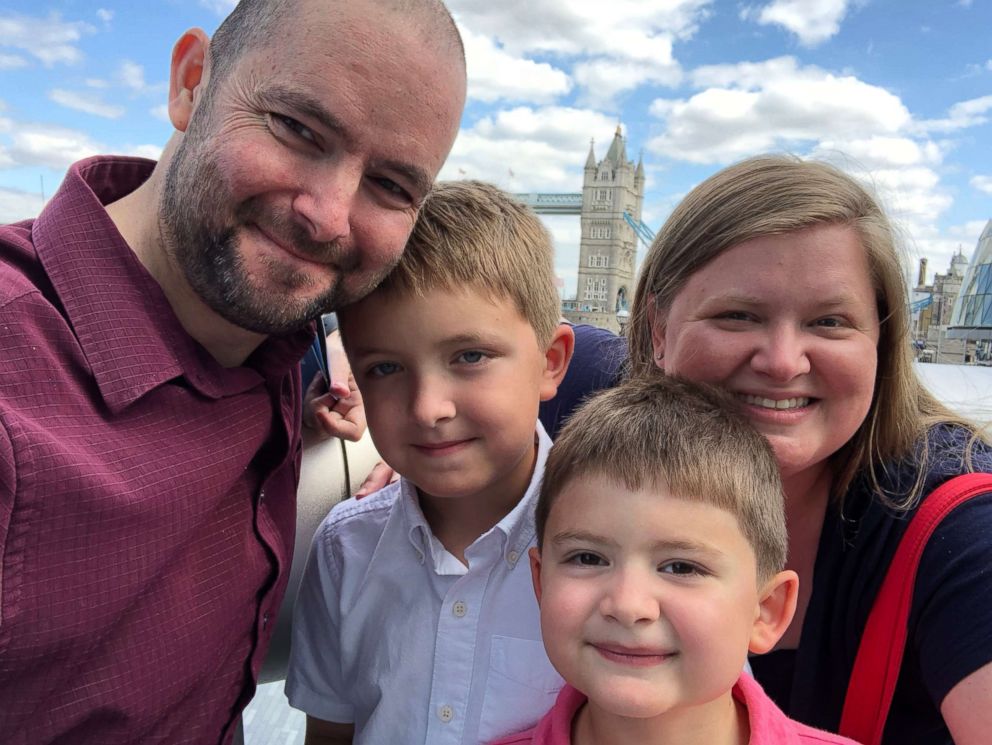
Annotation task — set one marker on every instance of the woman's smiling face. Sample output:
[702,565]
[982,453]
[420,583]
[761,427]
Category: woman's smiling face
[788,323]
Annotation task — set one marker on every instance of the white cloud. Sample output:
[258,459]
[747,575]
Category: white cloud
[630,37]
[57,148]
[756,107]
[105,15]
[970,113]
[494,74]
[813,21]
[152,152]
[50,40]
[12,62]
[87,104]
[545,148]
[18,205]
[220,7]
[132,75]
[880,151]
[160,112]
[54,147]
[982,183]
[988,65]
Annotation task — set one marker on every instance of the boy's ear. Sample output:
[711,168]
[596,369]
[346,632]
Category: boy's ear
[776,607]
[535,571]
[557,356]
[186,75]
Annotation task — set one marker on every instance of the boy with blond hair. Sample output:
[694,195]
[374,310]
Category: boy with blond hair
[415,620]
[658,567]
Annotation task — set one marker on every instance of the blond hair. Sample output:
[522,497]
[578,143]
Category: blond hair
[474,235]
[772,195]
[688,436]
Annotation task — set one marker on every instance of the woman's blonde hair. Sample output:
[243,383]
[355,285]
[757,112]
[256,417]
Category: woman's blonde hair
[771,195]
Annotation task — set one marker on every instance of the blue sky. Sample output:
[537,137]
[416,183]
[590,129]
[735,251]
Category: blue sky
[899,92]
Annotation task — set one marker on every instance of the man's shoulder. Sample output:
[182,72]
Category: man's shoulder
[18,262]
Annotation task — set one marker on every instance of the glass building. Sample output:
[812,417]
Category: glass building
[972,315]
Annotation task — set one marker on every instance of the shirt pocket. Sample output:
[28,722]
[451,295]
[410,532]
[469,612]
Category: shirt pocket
[521,688]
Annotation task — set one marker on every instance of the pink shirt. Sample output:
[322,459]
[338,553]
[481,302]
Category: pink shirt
[769,726]
[147,494]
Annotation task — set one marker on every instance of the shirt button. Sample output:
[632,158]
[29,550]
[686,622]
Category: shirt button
[261,495]
[459,609]
[265,621]
[446,714]
[512,557]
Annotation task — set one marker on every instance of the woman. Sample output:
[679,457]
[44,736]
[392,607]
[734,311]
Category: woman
[779,280]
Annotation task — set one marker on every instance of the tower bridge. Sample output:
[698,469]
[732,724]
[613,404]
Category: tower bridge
[609,207]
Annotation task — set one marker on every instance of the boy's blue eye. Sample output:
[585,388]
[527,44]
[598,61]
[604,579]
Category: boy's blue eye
[383,369]
[472,357]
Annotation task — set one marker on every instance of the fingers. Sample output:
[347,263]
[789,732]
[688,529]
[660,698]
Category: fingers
[341,413]
[380,475]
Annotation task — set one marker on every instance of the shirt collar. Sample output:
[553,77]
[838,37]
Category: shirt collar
[515,530]
[126,328]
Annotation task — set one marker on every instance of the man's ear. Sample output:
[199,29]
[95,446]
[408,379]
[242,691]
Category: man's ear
[776,607]
[656,320]
[186,76]
[557,356]
[535,571]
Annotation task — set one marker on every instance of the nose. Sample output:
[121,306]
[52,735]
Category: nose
[631,599]
[326,204]
[781,354]
[430,402]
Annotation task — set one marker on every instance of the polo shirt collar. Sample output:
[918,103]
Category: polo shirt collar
[126,328]
[515,531]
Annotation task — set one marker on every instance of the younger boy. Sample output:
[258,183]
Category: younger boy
[661,540]
[415,620]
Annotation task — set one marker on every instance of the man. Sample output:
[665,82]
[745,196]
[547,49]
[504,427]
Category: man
[151,319]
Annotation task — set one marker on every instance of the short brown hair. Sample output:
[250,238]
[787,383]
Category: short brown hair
[471,234]
[689,436]
[777,194]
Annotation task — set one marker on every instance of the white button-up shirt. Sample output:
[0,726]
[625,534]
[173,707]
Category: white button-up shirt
[393,633]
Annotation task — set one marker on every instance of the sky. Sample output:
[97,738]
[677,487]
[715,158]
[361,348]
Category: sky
[897,92]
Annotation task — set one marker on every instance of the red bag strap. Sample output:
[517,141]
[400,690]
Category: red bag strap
[880,653]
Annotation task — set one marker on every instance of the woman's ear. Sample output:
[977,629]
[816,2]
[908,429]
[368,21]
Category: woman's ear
[776,607]
[656,321]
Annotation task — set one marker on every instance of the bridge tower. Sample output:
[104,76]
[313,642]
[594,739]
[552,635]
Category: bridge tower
[608,246]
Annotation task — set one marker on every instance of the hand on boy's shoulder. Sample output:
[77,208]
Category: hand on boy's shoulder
[381,475]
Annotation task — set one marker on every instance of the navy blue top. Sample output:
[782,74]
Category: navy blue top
[597,363]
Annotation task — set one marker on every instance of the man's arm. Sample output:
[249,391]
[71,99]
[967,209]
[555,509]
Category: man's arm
[320,732]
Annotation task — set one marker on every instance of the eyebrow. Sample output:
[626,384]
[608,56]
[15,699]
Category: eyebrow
[467,339]
[677,544]
[303,103]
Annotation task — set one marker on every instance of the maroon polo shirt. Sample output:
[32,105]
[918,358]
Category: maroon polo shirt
[146,493]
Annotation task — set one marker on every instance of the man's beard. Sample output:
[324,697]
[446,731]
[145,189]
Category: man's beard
[200,232]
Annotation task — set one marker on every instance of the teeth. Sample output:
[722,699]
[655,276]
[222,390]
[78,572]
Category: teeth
[770,403]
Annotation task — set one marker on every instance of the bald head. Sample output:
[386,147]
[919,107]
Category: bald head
[254,24]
